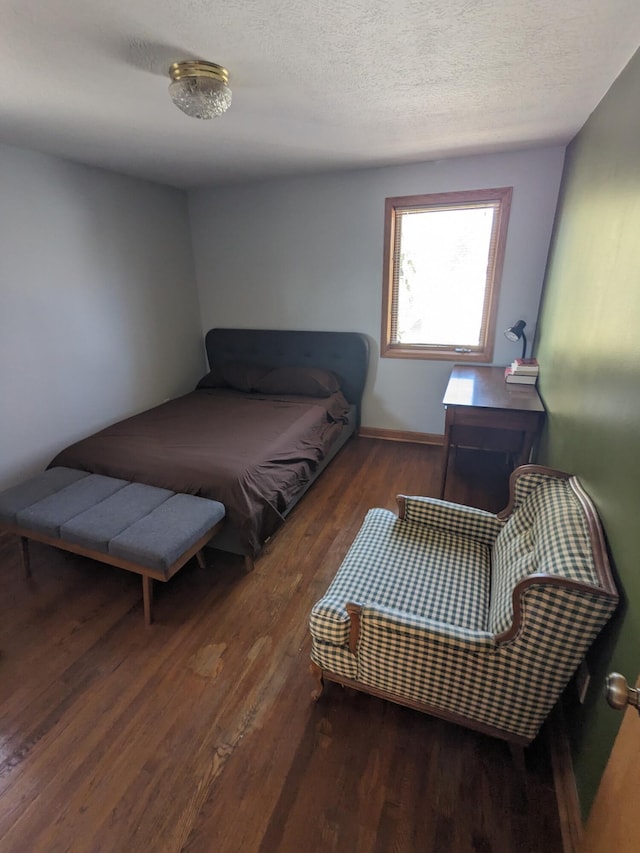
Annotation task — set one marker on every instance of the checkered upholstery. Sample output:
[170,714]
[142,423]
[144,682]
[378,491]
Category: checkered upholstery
[527,483]
[411,568]
[455,518]
[546,534]
[436,594]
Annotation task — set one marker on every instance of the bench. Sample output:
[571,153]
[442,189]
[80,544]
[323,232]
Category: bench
[132,526]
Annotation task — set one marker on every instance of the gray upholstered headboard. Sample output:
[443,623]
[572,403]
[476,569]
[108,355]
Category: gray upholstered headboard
[344,353]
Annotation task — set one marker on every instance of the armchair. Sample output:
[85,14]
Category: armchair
[474,617]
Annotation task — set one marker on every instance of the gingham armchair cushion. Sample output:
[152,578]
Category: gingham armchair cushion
[410,568]
[466,521]
[546,534]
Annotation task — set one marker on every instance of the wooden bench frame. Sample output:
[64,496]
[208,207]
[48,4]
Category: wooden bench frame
[148,574]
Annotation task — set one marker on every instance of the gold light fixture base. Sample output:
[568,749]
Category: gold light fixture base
[198,68]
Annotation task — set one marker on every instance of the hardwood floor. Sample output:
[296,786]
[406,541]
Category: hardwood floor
[198,734]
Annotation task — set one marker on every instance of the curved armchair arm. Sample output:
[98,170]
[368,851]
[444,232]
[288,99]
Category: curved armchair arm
[455,518]
[379,618]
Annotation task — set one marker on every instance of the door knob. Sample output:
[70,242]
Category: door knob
[619,694]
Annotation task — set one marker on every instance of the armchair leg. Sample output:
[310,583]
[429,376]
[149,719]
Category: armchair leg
[517,756]
[316,673]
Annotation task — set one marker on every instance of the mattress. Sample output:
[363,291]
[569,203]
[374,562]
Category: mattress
[254,453]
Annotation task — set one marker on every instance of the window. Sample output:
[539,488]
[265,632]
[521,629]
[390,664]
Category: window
[443,258]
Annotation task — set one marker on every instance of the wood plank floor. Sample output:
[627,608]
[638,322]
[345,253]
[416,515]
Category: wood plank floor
[198,734]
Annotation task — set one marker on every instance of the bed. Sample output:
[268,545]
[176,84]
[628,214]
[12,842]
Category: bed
[255,433]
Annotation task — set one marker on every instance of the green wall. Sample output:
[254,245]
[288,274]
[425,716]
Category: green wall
[589,351]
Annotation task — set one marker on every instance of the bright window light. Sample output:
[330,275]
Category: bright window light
[443,258]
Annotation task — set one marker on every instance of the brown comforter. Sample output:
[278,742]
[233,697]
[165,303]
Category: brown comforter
[251,452]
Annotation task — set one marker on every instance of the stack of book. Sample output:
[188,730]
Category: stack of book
[522,371]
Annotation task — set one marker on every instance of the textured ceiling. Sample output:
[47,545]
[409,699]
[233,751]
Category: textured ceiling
[317,84]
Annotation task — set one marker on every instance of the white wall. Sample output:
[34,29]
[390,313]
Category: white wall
[307,254]
[99,315]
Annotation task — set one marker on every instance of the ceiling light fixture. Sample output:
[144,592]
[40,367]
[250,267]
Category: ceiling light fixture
[200,89]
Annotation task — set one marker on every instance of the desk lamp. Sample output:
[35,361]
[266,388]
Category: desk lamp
[515,332]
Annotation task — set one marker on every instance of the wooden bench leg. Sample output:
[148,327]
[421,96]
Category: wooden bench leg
[147,598]
[201,559]
[26,557]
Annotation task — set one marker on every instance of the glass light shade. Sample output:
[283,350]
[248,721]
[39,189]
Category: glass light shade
[200,97]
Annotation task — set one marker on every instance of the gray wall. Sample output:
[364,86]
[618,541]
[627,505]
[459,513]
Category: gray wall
[307,254]
[99,315]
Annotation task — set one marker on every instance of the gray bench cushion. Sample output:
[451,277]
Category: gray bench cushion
[144,525]
[25,494]
[96,526]
[49,514]
[162,536]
